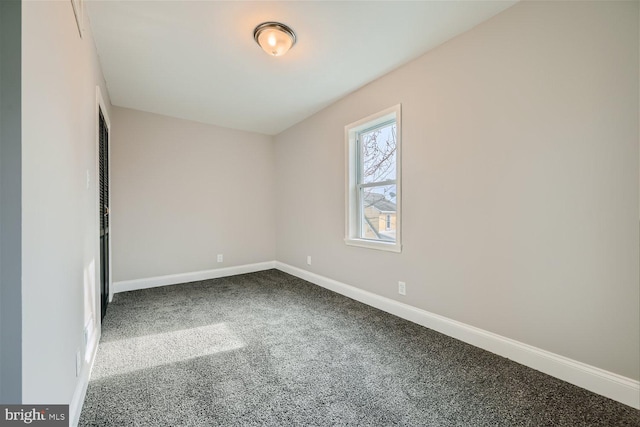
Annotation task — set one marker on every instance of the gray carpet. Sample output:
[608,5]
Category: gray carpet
[270,349]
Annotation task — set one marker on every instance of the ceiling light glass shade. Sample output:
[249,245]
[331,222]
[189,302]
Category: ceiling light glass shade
[274,38]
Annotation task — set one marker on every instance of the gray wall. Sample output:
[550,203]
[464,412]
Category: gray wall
[60,258]
[10,203]
[520,182]
[183,192]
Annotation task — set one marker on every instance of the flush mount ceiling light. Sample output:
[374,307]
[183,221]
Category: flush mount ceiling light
[274,38]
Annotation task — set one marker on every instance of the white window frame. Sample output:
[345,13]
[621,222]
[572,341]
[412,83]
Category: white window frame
[352,199]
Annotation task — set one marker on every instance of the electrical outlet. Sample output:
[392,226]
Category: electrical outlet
[78,363]
[87,332]
[220,257]
[402,288]
[308,259]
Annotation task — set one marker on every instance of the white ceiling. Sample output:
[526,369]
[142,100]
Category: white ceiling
[197,60]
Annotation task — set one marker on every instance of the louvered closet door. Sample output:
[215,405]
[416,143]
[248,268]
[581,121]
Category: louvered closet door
[103,164]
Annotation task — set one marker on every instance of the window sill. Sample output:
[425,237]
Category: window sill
[370,244]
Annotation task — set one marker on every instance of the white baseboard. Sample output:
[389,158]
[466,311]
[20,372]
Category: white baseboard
[75,408]
[152,282]
[605,383]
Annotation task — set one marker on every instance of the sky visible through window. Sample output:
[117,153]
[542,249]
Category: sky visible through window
[379,159]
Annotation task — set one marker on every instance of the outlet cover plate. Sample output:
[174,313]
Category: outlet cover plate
[402,288]
[78,363]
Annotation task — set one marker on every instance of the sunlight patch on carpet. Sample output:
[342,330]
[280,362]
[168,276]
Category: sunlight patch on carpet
[148,351]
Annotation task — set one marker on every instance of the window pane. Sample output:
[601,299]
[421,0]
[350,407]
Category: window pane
[378,151]
[378,213]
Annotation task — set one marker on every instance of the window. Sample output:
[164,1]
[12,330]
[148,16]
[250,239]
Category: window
[373,181]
